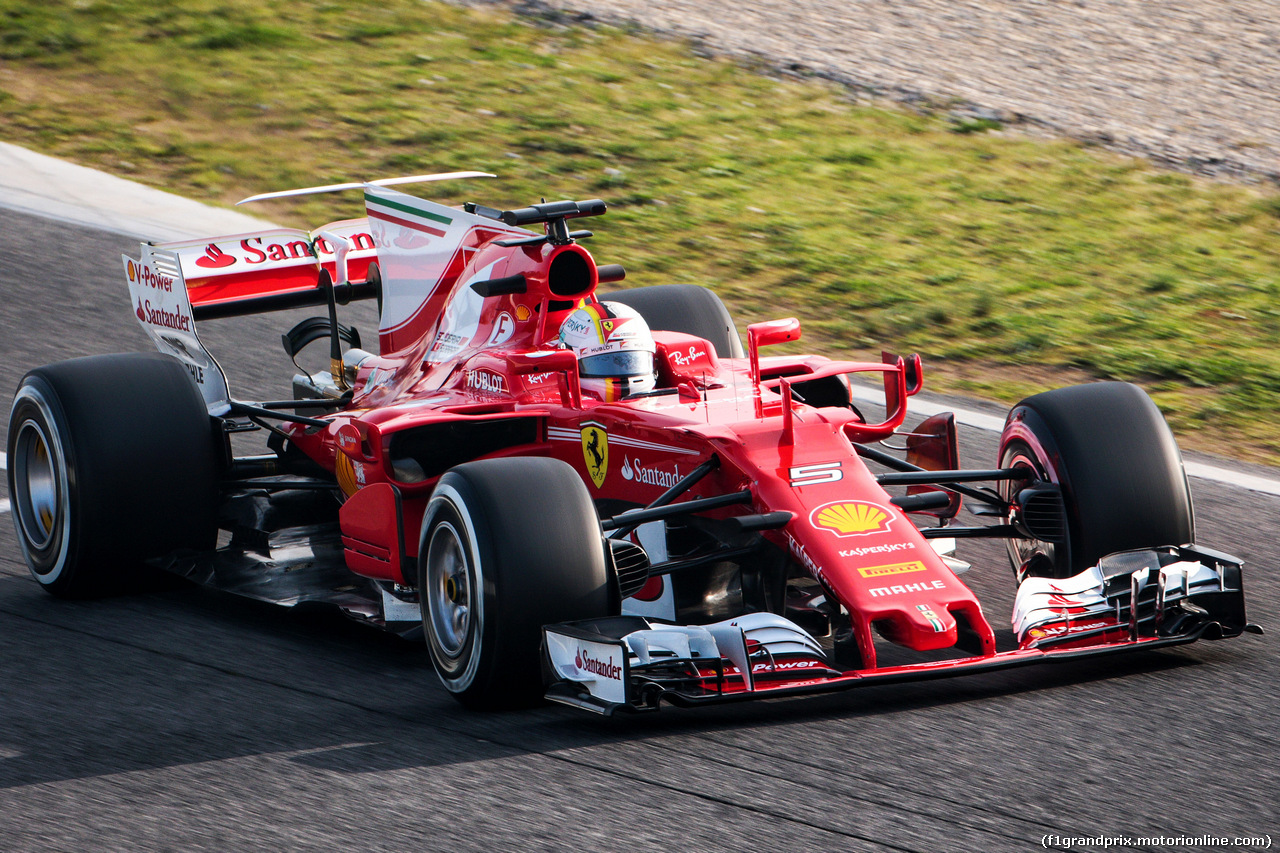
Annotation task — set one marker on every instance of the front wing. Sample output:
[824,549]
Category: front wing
[631,664]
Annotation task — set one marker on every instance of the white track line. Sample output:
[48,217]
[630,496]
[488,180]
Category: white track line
[990,423]
[4,466]
[54,189]
[1233,478]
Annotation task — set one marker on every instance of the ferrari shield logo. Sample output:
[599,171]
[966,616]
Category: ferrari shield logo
[595,450]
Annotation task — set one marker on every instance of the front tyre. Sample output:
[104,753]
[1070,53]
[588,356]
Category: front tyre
[112,461]
[1108,448]
[507,546]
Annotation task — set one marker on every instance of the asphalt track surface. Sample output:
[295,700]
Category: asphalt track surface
[189,720]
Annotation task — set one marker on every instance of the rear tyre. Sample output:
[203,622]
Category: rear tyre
[1110,451]
[686,308]
[112,461]
[507,546]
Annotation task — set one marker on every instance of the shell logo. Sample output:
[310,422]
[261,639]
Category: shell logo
[851,518]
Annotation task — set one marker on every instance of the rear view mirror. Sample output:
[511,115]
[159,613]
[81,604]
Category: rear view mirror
[774,332]
[767,334]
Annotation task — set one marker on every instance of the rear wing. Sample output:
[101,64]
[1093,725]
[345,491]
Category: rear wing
[283,268]
[274,269]
[174,284]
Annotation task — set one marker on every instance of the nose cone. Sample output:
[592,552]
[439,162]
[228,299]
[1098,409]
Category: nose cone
[932,627]
[919,625]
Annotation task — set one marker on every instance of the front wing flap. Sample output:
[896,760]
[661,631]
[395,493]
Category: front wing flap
[1156,592]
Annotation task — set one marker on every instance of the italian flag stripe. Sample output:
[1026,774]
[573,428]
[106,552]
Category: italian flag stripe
[417,226]
[404,208]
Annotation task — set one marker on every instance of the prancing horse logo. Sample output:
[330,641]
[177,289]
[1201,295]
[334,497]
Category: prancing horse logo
[595,451]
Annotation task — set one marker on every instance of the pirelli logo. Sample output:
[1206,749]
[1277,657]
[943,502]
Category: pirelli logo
[891,569]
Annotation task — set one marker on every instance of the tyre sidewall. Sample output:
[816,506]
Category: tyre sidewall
[538,553]
[1026,438]
[449,505]
[36,406]
[141,468]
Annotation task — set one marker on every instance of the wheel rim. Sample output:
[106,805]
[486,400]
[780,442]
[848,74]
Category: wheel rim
[1022,551]
[450,594]
[38,495]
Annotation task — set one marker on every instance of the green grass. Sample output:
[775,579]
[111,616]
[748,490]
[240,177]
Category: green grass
[993,254]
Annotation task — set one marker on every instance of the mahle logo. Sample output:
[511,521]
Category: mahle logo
[851,518]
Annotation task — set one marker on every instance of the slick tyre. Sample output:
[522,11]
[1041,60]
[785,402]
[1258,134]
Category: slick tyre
[686,308]
[112,461]
[1108,448]
[507,546]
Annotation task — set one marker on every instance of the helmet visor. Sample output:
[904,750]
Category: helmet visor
[625,363]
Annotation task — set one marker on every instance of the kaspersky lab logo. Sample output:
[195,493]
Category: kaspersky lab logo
[851,518]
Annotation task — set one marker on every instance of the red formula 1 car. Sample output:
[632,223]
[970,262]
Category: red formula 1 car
[600,500]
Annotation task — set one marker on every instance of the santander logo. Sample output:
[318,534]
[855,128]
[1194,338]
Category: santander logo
[586,663]
[214,258]
[276,247]
[649,476]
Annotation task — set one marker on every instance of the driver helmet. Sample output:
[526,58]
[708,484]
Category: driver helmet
[614,347]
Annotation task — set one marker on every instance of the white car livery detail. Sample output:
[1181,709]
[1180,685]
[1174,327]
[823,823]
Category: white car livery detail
[1079,601]
[749,646]
[419,243]
[601,667]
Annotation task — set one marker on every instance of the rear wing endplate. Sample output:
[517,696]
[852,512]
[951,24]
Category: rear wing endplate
[161,304]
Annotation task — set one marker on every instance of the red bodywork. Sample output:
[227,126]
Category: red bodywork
[508,390]
[469,367]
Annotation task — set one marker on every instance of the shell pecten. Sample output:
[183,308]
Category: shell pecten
[851,518]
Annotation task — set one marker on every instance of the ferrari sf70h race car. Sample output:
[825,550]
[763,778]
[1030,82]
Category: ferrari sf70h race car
[600,500]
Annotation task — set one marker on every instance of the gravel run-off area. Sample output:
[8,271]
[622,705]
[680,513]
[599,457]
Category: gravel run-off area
[1191,84]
